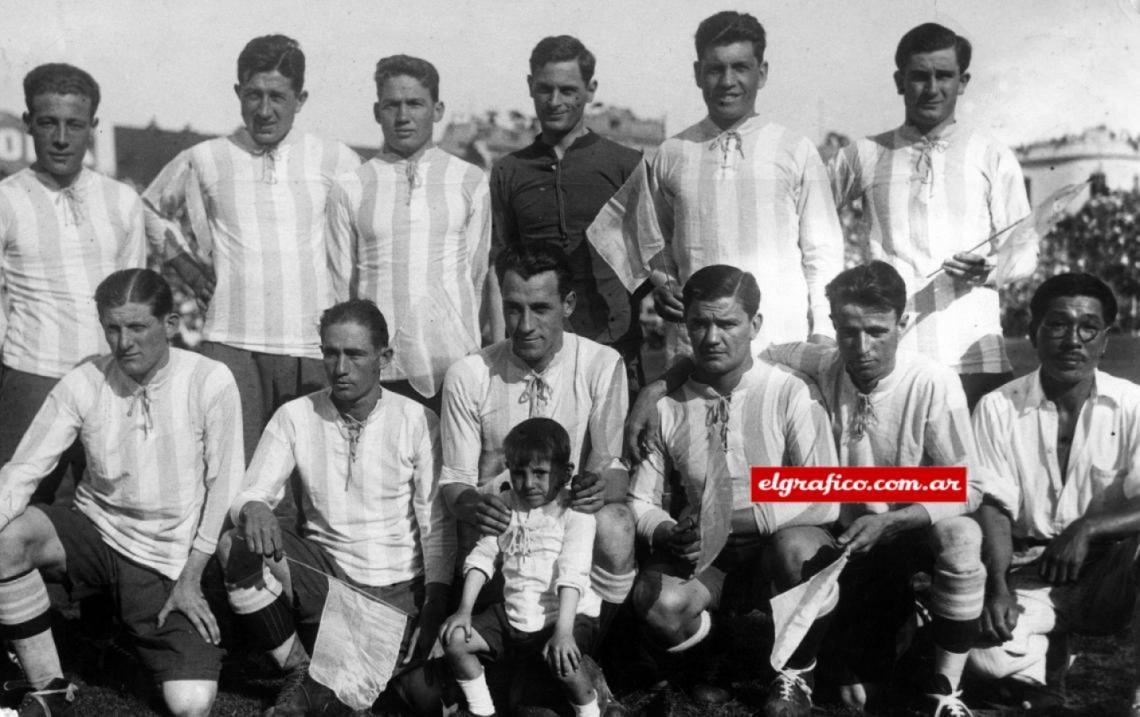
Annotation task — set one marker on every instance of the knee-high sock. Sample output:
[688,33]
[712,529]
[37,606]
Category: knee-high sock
[957,596]
[804,656]
[25,621]
[478,695]
[263,612]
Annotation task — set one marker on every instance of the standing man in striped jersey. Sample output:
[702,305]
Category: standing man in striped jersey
[739,190]
[63,228]
[256,203]
[734,412]
[160,429]
[551,190]
[369,462]
[935,189]
[411,231]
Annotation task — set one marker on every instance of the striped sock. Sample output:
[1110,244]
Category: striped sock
[25,621]
[263,612]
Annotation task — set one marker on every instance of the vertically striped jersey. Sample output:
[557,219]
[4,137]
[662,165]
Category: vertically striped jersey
[772,418]
[414,236]
[164,460]
[370,493]
[487,394]
[58,244]
[755,197]
[930,197]
[915,416]
[259,216]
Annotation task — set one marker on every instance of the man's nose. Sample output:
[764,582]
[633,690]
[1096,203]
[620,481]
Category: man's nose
[863,343]
[263,107]
[60,137]
[341,365]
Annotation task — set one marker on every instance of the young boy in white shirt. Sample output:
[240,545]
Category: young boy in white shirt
[548,606]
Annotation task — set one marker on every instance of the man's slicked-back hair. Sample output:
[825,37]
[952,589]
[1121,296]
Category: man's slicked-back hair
[400,65]
[363,313]
[59,78]
[931,37]
[135,286]
[273,52]
[537,439]
[728,27]
[718,281]
[874,285]
[533,258]
[1071,284]
[563,48]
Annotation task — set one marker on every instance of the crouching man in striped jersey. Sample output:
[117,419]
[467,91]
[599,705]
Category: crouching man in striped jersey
[732,413]
[162,432]
[369,462]
[895,408]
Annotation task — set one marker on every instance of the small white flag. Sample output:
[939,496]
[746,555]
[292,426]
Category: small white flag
[793,611]
[357,646]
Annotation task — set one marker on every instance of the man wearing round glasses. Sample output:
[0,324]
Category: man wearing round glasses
[1061,513]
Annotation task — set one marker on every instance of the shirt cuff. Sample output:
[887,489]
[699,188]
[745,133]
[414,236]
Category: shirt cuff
[448,475]
[647,524]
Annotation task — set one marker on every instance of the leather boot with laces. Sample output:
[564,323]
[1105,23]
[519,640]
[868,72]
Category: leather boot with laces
[55,699]
[303,696]
[789,694]
[943,701]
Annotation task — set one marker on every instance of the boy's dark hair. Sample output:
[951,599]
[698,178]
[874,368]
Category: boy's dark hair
[533,258]
[135,286]
[931,37]
[1070,284]
[537,439]
[728,27]
[875,285]
[59,78]
[405,65]
[563,48]
[362,312]
[720,280]
[273,52]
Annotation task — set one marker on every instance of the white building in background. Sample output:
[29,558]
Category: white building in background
[1051,164]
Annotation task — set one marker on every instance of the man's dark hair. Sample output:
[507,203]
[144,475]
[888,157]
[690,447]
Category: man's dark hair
[135,286]
[728,27]
[58,78]
[273,52]
[362,312]
[931,37]
[533,258]
[563,48]
[718,281]
[405,65]
[874,285]
[1070,284]
[537,439]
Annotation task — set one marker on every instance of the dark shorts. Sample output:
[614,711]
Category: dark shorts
[507,642]
[174,651]
[876,598]
[311,588]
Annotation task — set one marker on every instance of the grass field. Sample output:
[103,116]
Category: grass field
[1097,684]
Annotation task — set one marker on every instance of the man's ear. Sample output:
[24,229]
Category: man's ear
[569,303]
[386,354]
[437,112]
[697,73]
[302,96]
[899,82]
[171,324]
[904,322]
[965,80]
[757,322]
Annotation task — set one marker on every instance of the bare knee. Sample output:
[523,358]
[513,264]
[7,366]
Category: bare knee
[614,539]
[29,541]
[189,698]
[957,544]
[789,552]
[669,612]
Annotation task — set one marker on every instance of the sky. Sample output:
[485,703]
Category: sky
[1041,68]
